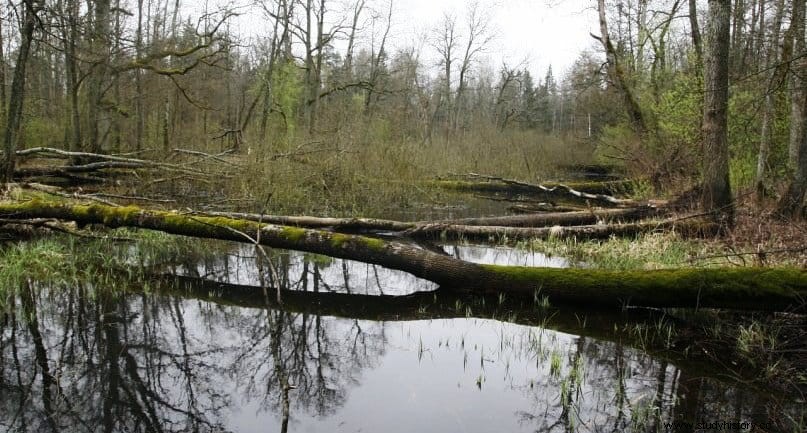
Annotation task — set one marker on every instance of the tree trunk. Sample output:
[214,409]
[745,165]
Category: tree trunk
[3,99]
[798,83]
[792,203]
[717,195]
[530,220]
[98,74]
[696,32]
[619,77]
[772,58]
[140,121]
[17,96]
[740,288]
[596,193]
[71,60]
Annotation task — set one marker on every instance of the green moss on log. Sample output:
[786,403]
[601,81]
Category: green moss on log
[741,287]
[293,234]
[373,243]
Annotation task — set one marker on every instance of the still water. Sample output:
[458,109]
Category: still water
[214,352]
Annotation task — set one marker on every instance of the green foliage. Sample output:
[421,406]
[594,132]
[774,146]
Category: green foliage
[614,140]
[742,170]
[744,123]
[679,110]
[287,88]
[43,132]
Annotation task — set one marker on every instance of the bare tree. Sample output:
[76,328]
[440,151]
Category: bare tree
[478,37]
[446,40]
[771,59]
[99,72]
[17,96]
[619,76]
[375,71]
[695,31]
[797,86]
[792,202]
[717,195]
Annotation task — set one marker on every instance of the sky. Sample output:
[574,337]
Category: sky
[537,33]
[542,32]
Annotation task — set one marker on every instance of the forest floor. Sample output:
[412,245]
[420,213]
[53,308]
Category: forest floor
[776,240]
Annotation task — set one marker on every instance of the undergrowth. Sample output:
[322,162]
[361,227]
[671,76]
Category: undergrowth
[62,260]
[645,251]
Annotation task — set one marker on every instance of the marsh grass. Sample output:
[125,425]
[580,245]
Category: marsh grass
[367,174]
[645,251]
[62,260]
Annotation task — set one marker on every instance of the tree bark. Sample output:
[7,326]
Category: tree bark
[717,196]
[798,83]
[17,96]
[98,75]
[619,77]
[696,33]
[772,57]
[740,288]
[792,202]
[373,224]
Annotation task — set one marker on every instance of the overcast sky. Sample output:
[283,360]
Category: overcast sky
[542,32]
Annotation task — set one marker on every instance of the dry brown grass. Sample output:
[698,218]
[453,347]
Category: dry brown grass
[765,238]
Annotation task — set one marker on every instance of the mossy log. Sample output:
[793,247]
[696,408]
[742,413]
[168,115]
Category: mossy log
[560,218]
[687,228]
[740,288]
[359,225]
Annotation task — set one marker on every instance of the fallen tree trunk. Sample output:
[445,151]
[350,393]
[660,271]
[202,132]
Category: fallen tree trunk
[540,207]
[550,191]
[609,187]
[560,218]
[737,288]
[358,225]
[337,224]
[687,228]
[101,161]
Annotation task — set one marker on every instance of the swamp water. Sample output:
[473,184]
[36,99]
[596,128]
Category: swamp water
[354,348]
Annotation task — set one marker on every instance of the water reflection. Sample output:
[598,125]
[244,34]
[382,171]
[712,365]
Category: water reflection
[244,264]
[214,351]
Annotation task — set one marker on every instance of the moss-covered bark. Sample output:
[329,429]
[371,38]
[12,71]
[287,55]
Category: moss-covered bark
[742,288]
[358,225]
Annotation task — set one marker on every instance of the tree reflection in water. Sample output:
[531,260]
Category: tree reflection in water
[204,354]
